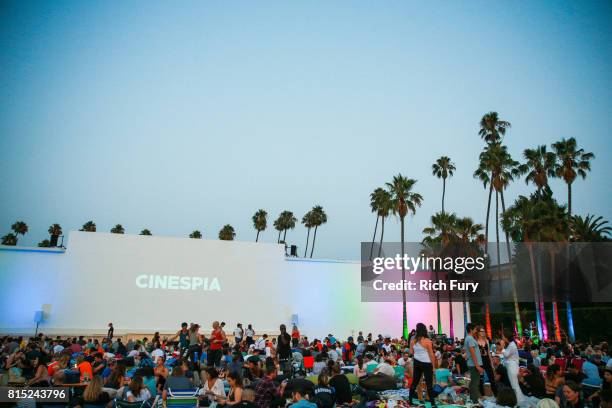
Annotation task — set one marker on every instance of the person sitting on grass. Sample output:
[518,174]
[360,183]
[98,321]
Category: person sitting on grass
[341,386]
[324,394]
[176,381]
[444,379]
[137,391]
[234,397]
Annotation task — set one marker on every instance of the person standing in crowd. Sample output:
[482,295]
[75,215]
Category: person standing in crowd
[341,385]
[250,334]
[474,361]
[238,334]
[283,349]
[183,336]
[421,348]
[195,349]
[217,338]
[266,390]
[487,363]
[111,331]
[295,336]
[511,361]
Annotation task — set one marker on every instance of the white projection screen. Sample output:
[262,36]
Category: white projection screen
[108,277]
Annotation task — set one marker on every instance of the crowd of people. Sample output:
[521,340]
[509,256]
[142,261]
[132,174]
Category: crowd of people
[246,369]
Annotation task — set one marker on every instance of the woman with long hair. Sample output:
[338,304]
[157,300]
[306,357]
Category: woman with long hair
[137,390]
[93,393]
[424,359]
[360,369]
[324,393]
[487,364]
[41,373]
[116,377]
[511,361]
[235,393]
[213,386]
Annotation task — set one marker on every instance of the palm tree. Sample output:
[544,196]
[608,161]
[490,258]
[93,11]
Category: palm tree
[319,218]
[45,243]
[196,235]
[117,229]
[374,205]
[385,206]
[590,229]
[19,227]
[572,162]
[288,222]
[308,220]
[497,169]
[492,129]
[55,230]
[227,233]
[443,168]
[145,232]
[89,226]
[404,200]
[442,231]
[9,239]
[260,222]
[539,166]
[279,225]
[467,232]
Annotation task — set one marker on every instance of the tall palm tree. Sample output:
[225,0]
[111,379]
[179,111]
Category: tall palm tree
[442,231]
[385,206]
[117,229]
[19,227]
[319,218]
[571,162]
[9,239]
[590,229]
[308,220]
[492,129]
[55,230]
[260,222]
[196,234]
[539,166]
[146,232]
[497,169]
[288,222]
[89,226]
[443,168]
[279,225]
[467,231]
[227,233]
[375,198]
[404,200]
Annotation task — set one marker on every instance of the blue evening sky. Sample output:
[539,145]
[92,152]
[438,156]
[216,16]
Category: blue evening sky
[182,115]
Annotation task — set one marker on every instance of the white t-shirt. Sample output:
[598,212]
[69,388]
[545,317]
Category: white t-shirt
[218,389]
[403,362]
[385,368]
[238,333]
[333,355]
[58,349]
[145,394]
[249,332]
[133,353]
[260,344]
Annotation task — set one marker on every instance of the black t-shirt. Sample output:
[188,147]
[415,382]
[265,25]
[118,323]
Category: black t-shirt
[342,387]
[461,363]
[324,397]
[284,345]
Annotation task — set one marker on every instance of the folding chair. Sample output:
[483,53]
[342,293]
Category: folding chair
[182,398]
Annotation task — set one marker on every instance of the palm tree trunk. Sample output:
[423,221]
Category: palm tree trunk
[404,313]
[257,237]
[541,295]
[487,308]
[568,303]
[438,303]
[382,234]
[499,282]
[555,307]
[534,282]
[314,238]
[285,236]
[517,313]
[373,237]
[443,192]
[308,237]
[278,240]
[450,314]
